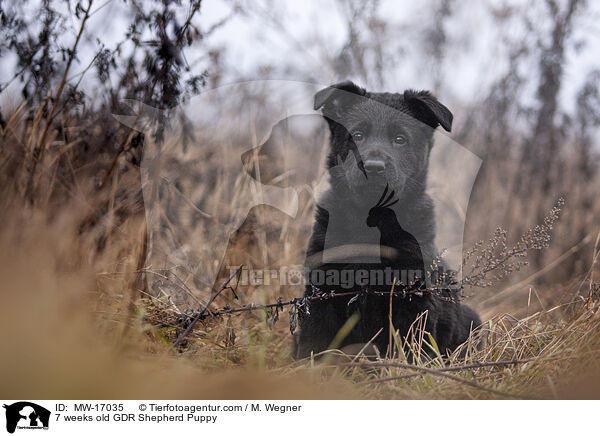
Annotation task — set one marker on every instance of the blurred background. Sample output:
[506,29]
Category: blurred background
[522,79]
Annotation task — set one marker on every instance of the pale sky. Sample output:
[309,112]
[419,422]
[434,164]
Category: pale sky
[311,32]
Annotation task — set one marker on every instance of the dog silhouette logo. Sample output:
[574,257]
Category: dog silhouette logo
[239,189]
[26,415]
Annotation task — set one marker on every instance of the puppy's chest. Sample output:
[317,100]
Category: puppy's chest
[349,238]
[360,242]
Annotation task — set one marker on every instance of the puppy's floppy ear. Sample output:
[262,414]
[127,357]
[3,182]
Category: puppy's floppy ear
[333,94]
[333,100]
[426,108]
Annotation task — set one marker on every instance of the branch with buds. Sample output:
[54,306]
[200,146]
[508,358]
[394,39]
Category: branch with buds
[495,260]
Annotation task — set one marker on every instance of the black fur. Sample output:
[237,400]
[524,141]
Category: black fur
[378,140]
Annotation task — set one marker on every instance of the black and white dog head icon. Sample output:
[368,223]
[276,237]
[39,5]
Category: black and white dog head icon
[27,415]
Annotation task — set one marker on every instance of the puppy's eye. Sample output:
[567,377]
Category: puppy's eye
[358,136]
[400,140]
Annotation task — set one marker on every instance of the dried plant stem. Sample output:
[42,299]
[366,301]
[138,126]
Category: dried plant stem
[139,284]
[452,369]
[575,248]
[364,347]
[123,146]
[497,258]
[279,304]
[432,371]
[595,256]
[115,159]
[199,315]
[38,152]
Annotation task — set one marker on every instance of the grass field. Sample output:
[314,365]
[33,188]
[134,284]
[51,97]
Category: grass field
[79,322]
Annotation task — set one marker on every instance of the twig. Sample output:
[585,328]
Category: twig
[452,369]
[326,296]
[433,372]
[203,311]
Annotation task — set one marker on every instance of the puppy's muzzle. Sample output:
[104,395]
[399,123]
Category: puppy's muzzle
[374,166]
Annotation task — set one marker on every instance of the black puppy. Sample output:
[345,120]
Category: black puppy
[379,141]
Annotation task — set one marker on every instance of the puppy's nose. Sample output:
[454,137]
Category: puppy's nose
[374,166]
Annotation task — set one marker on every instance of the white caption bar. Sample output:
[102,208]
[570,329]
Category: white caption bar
[22,417]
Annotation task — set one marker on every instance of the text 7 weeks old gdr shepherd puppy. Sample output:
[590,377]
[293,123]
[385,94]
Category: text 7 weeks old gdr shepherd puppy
[378,162]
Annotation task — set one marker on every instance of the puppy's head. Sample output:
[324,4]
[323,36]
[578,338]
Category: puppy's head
[380,139]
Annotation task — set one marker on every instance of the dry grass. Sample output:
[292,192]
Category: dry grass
[75,326]
[64,337]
